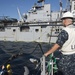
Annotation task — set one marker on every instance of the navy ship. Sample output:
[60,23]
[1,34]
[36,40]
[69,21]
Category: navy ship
[39,24]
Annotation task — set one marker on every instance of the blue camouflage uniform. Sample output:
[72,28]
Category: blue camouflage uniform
[66,63]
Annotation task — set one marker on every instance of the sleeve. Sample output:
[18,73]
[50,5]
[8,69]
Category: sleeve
[62,38]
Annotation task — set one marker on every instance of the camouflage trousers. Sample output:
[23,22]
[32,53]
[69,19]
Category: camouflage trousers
[66,64]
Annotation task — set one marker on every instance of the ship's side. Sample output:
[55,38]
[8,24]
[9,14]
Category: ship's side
[29,33]
[39,24]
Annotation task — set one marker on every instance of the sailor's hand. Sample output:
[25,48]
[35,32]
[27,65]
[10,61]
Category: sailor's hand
[3,67]
[46,54]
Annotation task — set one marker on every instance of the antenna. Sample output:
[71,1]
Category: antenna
[20,16]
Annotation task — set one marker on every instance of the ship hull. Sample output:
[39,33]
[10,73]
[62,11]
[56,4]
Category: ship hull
[30,33]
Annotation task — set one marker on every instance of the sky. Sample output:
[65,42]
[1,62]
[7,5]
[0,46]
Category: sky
[9,7]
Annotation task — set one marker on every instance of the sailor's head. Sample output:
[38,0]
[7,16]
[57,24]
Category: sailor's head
[67,18]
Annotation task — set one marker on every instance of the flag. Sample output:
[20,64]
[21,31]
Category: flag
[39,1]
[60,3]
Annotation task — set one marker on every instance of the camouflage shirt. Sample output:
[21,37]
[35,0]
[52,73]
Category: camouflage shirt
[62,38]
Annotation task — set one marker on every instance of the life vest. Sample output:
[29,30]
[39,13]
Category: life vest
[69,46]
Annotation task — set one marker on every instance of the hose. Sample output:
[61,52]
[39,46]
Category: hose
[38,44]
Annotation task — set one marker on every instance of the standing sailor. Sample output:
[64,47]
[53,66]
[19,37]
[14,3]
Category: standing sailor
[66,41]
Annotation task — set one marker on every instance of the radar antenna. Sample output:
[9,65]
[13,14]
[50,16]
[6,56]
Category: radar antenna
[41,1]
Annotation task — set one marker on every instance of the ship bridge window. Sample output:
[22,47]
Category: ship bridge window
[24,28]
[47,11]
[34,12]
[2,29]
[8,27]
[57,31]
[14,30]
[74,7]
[44,26]
[48,14]
[36,30]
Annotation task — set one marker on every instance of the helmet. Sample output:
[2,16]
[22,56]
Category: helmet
[67,15]
[8,66]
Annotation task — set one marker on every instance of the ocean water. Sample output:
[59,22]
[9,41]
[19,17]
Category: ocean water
[18,54]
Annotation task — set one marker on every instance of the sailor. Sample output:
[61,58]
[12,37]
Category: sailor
[3,71]
[6,70]
[66,43]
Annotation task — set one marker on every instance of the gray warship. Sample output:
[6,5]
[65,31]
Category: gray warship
[39,24]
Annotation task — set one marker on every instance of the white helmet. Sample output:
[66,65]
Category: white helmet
[67,15]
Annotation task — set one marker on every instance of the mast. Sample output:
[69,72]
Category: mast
[20,16]
[60,8]
[68,5]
